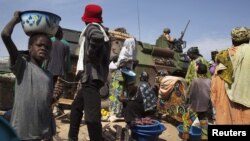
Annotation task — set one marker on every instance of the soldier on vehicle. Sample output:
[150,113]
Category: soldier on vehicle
[166,33]
[165,40]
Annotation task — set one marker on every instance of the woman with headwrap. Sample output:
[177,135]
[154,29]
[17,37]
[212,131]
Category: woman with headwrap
[229,86]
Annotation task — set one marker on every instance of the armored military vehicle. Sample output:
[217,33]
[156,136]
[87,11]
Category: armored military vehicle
[150,58]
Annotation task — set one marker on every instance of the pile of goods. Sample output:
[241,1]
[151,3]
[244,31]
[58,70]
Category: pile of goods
[105,114]
[120,33]
[143,121]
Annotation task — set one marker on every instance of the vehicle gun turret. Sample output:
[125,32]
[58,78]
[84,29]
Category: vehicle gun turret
[179,44]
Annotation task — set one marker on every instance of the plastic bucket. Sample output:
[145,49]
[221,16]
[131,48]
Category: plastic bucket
[147,132]
[129,75]
[180,130]
[194,132]
[144,137]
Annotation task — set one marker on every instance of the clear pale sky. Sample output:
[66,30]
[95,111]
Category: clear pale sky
[209,29]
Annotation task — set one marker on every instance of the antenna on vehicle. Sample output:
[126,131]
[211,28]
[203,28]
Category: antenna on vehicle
[138,18]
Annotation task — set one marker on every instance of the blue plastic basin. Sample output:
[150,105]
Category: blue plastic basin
[147,132]
[157,131]
[194,132]
[144,137]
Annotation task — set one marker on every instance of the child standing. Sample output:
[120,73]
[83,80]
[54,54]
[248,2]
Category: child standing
[200,97]
[32,116]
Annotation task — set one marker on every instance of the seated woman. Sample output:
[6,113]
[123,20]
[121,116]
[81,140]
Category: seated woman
[141,102]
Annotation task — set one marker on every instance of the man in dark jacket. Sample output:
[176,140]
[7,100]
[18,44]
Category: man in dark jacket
[93,67]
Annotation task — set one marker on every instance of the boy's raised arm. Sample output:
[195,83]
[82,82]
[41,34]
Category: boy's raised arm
[6,37]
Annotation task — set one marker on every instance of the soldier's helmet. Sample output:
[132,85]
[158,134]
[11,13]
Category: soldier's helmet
[166,30]
[240,34]
[144,76]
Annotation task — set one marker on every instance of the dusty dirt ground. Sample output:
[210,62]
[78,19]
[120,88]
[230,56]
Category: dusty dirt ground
[170,134]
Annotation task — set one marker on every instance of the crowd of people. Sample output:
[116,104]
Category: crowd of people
[220,85]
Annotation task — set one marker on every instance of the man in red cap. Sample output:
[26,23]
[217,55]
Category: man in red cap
[93,67]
